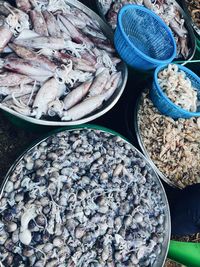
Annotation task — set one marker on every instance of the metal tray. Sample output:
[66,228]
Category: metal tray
[143,148]
[162,257]
[191,36]
[195,27]
[107,105]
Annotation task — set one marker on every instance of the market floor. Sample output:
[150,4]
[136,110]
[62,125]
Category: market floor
[172,264]
[13,141]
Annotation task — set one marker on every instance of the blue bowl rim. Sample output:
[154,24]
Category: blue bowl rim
[178,108]
[143,55]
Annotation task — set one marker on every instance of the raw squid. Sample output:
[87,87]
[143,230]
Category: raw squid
[59,65]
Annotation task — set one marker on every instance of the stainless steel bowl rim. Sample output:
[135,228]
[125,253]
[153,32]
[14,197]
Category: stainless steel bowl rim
[109,104]
[162,257]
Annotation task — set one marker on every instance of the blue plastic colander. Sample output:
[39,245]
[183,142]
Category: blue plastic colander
[142,39]
[164,104]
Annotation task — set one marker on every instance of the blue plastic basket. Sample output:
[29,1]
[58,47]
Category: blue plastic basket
[164,104]
[142,39]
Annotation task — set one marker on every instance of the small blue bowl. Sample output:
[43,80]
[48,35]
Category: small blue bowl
[142,39]
[164,104]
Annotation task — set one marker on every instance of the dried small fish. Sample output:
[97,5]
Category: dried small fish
[178,87]
[173,145]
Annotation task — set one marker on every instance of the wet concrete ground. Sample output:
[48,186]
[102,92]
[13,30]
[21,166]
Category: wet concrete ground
[13,141]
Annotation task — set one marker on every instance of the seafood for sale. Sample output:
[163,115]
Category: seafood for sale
[24,5]
[194,8]
[172,145]
[52,24]
[26,67]
[91,103]
[47,93]
[55,46]
[76,95]
[39,24]
[17,91]
[30,55]
[82,198]
[167,9]
[5,36]
[9,79]
[178,87]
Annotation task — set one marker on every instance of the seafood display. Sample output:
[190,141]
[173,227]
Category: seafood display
[167,9]
[59,65]
[82,198]
[172,145]
[194,9]
[178,87]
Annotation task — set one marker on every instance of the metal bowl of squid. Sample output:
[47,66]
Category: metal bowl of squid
[191,36]
[14,116]
[160,259]
[195,27]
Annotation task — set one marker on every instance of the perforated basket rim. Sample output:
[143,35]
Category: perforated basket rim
[143,55]
[178,108]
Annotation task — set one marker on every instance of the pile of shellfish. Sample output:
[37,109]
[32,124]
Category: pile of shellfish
[82,198]
[57,64]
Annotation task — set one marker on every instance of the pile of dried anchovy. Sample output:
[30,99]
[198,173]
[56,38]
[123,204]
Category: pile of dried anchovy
[59,62]
[173,145]
[194,8]
[82,198]
[178,87]
[166,9]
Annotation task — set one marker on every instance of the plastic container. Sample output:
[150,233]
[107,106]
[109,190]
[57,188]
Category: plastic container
[164,104]
[142,39]
[186,253]
[190,36]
